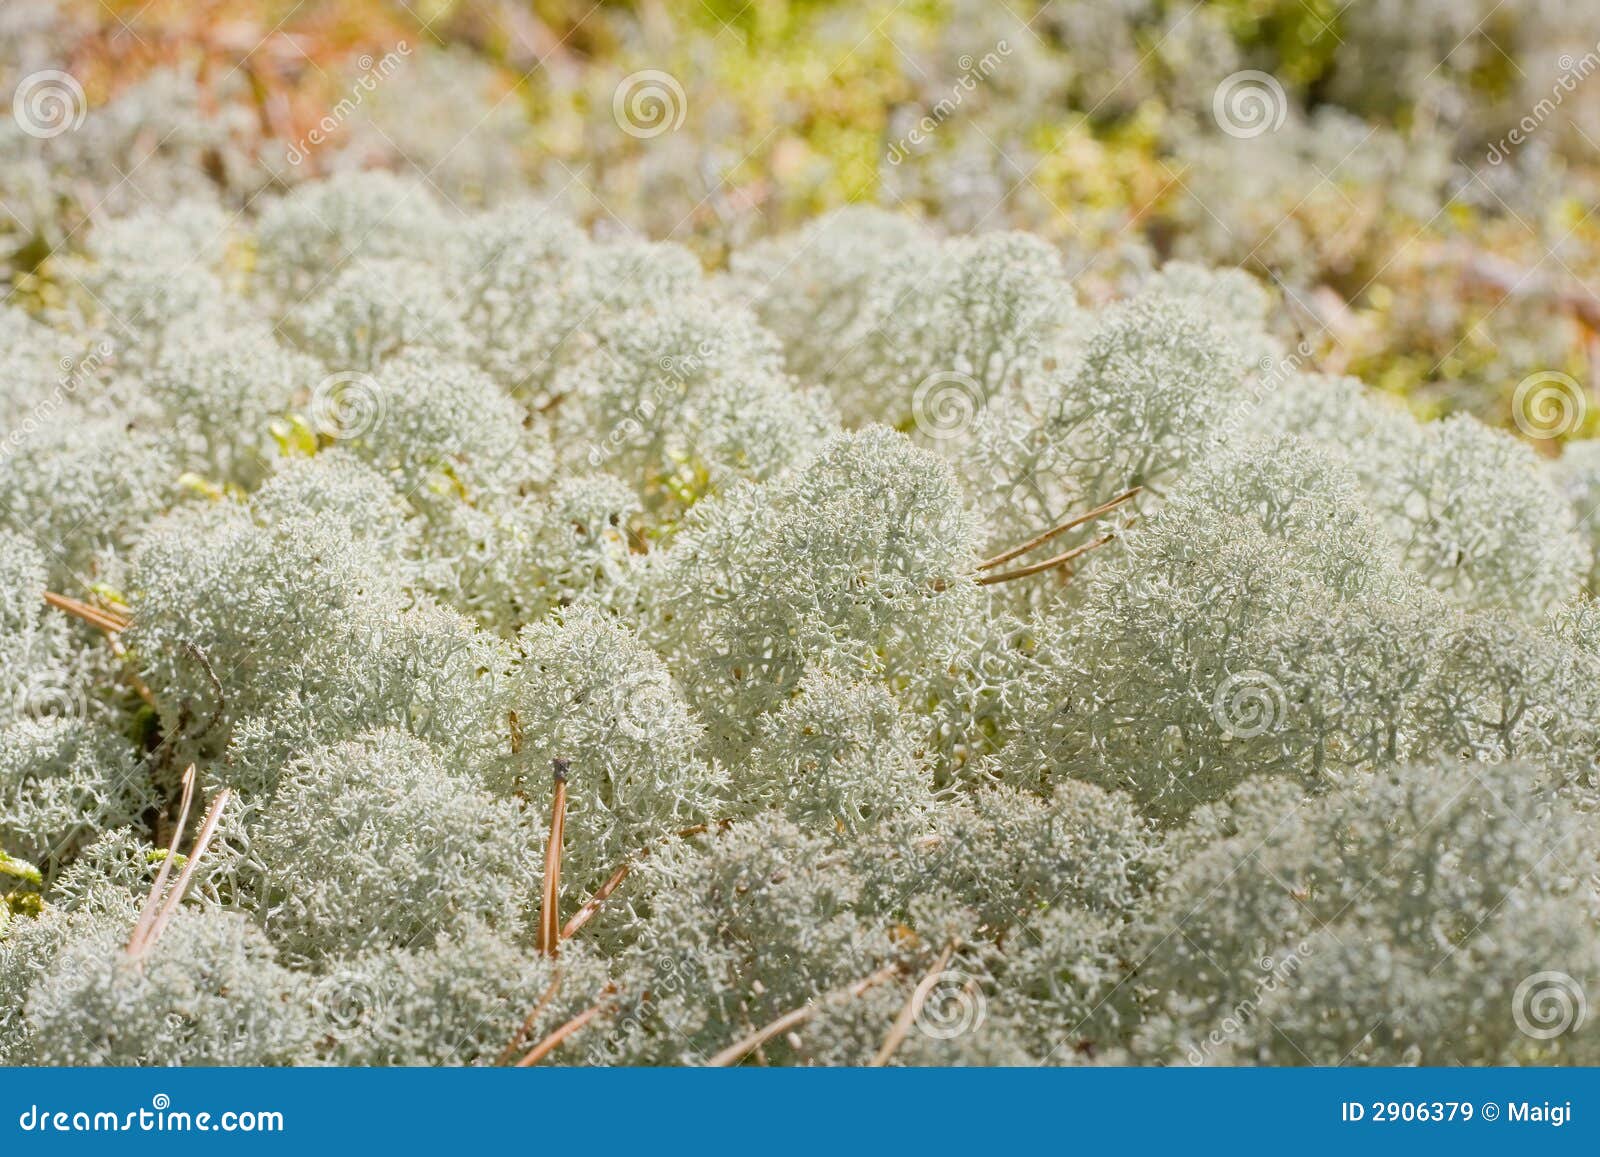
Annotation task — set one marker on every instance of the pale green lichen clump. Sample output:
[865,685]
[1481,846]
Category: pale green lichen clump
[418,521]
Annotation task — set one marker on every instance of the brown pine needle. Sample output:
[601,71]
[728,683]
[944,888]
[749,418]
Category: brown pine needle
[908,1014]
[552,1042]
[107,620]
[138,684]
[721,825]
[1047,564]
[550,913]
[112,623]
[739,1048]
[139,940]
[201,842]
[583,915]
[520,1037]
[874,980]
[1071,523]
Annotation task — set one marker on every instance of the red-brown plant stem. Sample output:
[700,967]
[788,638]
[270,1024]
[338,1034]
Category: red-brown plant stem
[520,1037]
[1047,564]
[908,1014]
[1070,524]
[739,1048]
[550,913]
[201,842]
[552,1042]
[583,915]
[139,940]
[109,621]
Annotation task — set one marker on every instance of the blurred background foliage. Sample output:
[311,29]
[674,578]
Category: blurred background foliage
[1407,233]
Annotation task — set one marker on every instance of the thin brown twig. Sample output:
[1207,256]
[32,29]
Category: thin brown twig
[221,708]
[1070,524]
[107,620]
[739,1048]
[113,623]
[721,825]
[586,913]
[583,915]
[552,1042]
[759,1052]
[520,1037]
[139,686]
[866,982]
[913,1006]
[1047,564]
[201,842]
[103,617]
[615,880]
[139,939]
[550,912]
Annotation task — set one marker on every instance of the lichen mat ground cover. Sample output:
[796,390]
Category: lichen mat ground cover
[1007,565]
